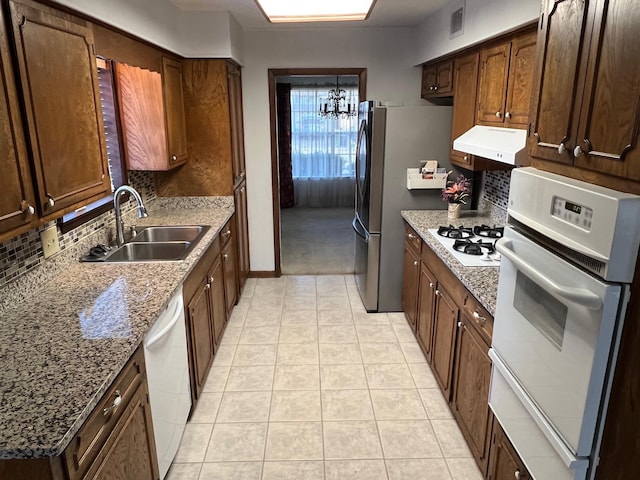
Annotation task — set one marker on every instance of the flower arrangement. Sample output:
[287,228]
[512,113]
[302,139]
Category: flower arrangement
[456,192]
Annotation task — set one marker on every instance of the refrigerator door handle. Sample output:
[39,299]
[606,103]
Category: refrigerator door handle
[359,192]
[359,229]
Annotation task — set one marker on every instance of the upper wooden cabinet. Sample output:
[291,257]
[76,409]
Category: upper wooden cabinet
[236,122]
[504,86]
[17,199]
[59,82]
[437,79]
[152,116]
[586,109]
[464,104]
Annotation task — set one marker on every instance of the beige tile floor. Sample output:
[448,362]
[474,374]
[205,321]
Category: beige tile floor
[307,386]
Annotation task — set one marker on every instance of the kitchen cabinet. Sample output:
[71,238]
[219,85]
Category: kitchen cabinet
[217,304]
[116,441]
[17,199]
[585,111]
[411,275]
[152,116]
[229,264]
[58,79]
[236,123]
[437,79]
[426,309]
[470,400]
[504,83]
[504,462]
[444,339]
[464,104]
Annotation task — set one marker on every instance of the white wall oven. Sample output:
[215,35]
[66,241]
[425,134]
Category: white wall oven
[568,255]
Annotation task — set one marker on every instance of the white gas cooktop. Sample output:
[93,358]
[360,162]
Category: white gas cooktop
[484,260]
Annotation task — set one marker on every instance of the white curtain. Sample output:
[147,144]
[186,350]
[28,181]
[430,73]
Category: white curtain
[322,150]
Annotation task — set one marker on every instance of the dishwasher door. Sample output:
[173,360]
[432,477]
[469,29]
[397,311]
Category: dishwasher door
[165,353]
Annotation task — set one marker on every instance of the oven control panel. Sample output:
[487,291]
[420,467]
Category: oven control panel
[573,213]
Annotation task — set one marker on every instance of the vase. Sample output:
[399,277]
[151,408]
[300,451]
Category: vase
[454,210]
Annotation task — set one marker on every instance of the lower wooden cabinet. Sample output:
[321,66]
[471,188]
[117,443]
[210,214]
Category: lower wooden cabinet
[411,276]
[217,305]
[426,309]
[470,401]
[200,335]
[229,265]
[242,232]
[504,462]
[444,340]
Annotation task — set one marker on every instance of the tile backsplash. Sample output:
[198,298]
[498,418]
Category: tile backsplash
[23,253]
[496,187]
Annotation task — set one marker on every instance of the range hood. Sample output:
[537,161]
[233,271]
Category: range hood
[506,145]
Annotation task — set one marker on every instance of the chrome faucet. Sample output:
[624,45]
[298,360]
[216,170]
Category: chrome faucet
[142,210]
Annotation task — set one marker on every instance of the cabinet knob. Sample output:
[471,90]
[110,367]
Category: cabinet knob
[173,158]
[466,158]
[51,202]
[431,285]
[507,115]
[498,114]
[207,286]
[415,263]
[411,235]
[517,474]
[431,87]
[225,256]
[577,151]
[116,401]
[27,208]
[561,149]
[242,189]
[479,318]
[211,279]
[242,174]
[459,324]
[435,87]
[437,292]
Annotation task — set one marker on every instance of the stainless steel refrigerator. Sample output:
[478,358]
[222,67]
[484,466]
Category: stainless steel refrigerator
[390,140]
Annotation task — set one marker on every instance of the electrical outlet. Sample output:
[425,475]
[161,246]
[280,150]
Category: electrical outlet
[49,239]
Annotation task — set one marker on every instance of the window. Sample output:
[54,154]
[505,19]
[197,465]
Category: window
[321,147]
[117,170]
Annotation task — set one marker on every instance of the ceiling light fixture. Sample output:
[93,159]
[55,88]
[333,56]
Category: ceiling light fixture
[336,105]
[279,11]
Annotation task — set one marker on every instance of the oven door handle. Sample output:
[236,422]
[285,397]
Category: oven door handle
[580,296]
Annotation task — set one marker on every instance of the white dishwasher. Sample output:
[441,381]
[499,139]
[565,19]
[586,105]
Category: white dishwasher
[165,354]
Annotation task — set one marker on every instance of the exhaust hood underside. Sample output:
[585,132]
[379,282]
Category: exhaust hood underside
[505,145]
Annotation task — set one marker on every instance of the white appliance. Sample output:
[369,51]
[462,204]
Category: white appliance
[165,354]
[487,259]
[390,140]
[506,145]
[567,259]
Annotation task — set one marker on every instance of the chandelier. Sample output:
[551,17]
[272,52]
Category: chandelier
[336,105]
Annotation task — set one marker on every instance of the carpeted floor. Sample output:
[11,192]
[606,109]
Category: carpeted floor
[317,241]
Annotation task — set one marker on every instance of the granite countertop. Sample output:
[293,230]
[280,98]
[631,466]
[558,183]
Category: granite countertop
[482,282]
[61,348]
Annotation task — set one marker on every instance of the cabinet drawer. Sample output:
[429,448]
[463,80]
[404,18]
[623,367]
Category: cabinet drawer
[86,444]
[412,239]
[226,232]
[478,317]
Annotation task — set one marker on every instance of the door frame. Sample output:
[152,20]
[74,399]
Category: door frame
[274,73]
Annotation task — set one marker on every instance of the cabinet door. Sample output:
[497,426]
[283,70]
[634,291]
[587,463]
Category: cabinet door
[464,104]
[17,200]
[426,309]
[523,55]
[410,279]
[174,111]
[229,268]
[59,81]
[236,122]
[217,302]
[444,78]
[504,464]
[557,82]
[609,127]
[201,337]
[444,340]
[492,86]
[242,229]
[470,403]
[131,452]
[429,79]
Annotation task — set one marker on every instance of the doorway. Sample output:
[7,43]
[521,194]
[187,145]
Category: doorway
[312,170]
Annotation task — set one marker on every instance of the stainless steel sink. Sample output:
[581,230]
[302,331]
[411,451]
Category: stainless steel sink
[175,233]
[150,251]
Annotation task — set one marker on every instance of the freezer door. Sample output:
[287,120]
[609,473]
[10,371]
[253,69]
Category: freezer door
[367,265]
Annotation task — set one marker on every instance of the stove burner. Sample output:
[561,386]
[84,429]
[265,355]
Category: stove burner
[453,232]
[488,232]
[473,248]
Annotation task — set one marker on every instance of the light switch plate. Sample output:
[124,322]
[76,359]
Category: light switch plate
[49,239]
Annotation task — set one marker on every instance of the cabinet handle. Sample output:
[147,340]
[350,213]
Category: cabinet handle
[435,87]
[225,256]
[577,151]
[411,235]
[27,208]
[479,318]
[437,292]
[51,202]
[173,158]
[507,115]
[116,401]
[415,263]
[207,286]
[517,474]
[242,174]
[498,114]
[227,233]
[561,149]
[211,279]
[466,159]
[242,189]
[431,285]
[459,324]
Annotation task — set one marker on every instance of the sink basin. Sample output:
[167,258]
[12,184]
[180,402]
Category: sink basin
[177,233]
[150,251]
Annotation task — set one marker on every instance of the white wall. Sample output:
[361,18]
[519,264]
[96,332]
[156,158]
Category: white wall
[387,54]
[483,19]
